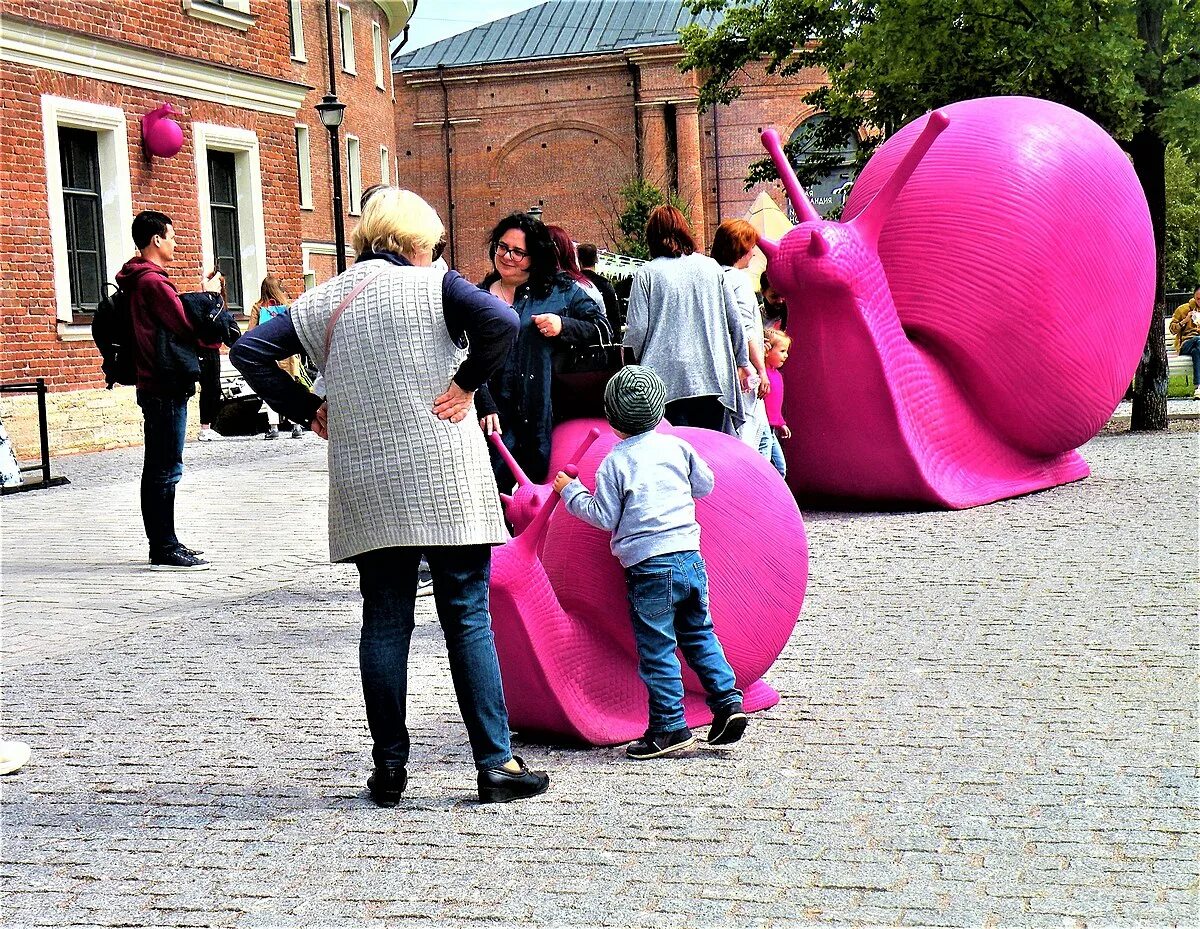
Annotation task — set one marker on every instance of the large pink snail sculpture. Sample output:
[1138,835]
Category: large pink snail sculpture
[975,317]
[559,611]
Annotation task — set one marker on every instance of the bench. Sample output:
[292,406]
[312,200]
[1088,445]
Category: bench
[1180,372]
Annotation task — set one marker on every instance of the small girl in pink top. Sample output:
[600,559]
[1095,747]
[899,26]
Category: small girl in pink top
[777,342]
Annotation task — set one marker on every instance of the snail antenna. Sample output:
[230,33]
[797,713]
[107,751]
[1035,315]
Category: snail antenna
[530,540]
[502,450]
[870,221]
[592,436]
[817,246]
[770,248]
[805,211]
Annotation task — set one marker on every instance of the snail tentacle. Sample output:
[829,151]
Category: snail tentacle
[805,211]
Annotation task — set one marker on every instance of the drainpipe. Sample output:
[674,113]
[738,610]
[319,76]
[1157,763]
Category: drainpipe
[404,40]
[636,75]
[450,249]
[717,158]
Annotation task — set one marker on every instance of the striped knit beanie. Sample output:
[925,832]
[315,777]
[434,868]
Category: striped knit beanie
[634,399]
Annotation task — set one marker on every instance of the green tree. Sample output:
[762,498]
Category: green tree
[1183,222]
[638,198]
[1131,65]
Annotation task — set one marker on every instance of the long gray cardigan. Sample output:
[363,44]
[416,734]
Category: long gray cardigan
[398,475]
[684,322]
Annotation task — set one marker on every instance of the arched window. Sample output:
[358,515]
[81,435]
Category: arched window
[833,188]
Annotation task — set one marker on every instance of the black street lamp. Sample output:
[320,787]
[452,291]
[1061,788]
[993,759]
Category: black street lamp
[331,110]
[534,212]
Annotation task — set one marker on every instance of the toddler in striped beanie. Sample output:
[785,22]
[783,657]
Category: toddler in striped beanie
[646,489]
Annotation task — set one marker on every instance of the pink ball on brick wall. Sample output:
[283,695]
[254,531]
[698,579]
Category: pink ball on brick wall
[162,136]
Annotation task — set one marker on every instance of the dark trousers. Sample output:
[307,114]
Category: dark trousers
[702,412]
[165,426]
[1192,347]
[210,384]
[388,581]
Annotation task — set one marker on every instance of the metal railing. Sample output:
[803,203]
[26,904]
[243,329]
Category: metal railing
[39,387]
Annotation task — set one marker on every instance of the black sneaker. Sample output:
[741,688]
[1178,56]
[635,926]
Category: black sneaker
[424,579]
[497,785]
[728,726]
[177,559]
[657,744]
[271,433]
[191,551]
[386,785]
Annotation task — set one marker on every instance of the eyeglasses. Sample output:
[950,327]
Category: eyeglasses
[516,254]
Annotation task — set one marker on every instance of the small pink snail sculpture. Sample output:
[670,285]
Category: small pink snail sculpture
[975,317]
[559,611]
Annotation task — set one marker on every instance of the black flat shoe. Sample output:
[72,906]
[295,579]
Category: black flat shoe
[387,784]
[496,785]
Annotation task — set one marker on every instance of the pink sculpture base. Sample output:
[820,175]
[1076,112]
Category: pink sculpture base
[559,608]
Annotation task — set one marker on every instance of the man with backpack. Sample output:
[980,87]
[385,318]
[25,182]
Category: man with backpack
[164,343]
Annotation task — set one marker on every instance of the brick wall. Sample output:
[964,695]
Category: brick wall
[561,135]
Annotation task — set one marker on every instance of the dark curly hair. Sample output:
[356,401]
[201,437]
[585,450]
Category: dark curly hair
[544,275]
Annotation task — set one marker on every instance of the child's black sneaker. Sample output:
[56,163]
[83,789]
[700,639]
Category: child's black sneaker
[657,744]
[728,726]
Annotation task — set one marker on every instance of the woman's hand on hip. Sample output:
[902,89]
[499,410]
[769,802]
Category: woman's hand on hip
[490,424]
[454,404]
[548,324]
[320,423]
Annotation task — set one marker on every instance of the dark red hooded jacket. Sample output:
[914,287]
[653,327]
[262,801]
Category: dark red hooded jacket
[153,304]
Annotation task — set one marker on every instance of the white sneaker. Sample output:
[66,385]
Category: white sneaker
[12,756]
[206,435]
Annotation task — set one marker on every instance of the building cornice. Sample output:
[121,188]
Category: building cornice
[510,69]
[26,42]
[398,13]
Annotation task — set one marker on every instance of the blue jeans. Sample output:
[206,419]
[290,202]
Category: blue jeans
[388,581]
[165,428]
[775,453]
[668,602]
[1192,347]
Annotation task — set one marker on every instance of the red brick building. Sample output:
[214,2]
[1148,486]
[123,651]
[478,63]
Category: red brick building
[559,105]
[249,191]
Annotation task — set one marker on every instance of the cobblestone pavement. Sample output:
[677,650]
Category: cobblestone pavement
[988,719]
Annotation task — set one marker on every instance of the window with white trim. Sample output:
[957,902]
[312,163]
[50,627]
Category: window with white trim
[385,164]
[229,190]
[304,167]
[377,53]
[346,34]
[354,174]
[232,13]
[88,202]
[296,30]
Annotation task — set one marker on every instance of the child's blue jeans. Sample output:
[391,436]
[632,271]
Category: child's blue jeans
[668,601]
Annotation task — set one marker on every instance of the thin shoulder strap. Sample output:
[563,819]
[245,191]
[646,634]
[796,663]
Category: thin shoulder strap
[337,314]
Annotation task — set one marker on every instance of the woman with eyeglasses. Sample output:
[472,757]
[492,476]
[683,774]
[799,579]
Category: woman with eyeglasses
[554,311]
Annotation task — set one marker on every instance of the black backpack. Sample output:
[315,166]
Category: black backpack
[112,328]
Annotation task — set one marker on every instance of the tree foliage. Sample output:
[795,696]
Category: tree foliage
[1183,223]
[889,61]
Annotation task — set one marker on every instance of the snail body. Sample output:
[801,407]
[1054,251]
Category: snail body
[560,614]
[977,315]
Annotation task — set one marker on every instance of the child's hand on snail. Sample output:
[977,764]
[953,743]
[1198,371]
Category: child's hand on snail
[561,480]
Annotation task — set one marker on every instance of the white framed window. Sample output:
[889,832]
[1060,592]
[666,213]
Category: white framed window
[354,174]
[115,196]
[296,29]
[346,34]
[304,166]
[377,53]
[232,13]
[251,232]
[385,165]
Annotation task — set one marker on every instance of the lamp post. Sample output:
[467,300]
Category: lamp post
[331,110]
[534,212]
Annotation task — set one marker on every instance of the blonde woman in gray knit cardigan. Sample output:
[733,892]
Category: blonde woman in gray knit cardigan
[408,468]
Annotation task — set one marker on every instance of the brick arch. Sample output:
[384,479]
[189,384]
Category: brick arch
[545,128]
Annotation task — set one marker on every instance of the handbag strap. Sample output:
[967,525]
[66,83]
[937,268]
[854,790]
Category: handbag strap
[337,314]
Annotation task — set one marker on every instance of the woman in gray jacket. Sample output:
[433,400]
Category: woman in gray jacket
[683,323]
[403,347]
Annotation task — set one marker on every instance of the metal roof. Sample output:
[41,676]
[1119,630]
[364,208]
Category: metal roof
[560,29]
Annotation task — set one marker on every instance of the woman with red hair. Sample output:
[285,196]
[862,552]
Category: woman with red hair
[683,323]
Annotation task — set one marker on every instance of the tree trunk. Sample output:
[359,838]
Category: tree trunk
[1148,150]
